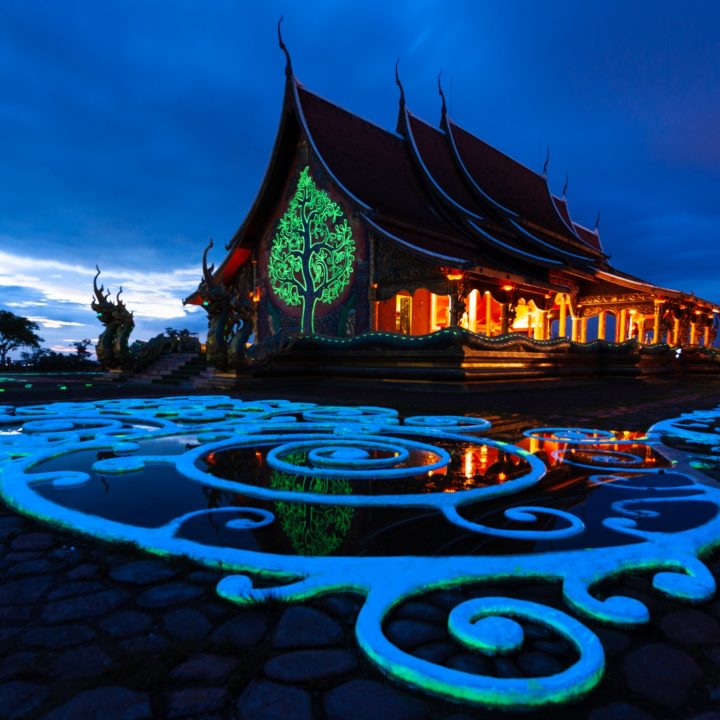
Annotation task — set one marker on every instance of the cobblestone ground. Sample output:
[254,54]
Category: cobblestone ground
[102,631]
[94,631]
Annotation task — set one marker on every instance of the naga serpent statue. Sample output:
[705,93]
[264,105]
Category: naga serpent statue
[231,317]
[113,350]
[112,347]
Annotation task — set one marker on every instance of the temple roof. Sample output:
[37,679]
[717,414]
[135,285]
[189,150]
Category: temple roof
[439,192]
[511,184]
[372,163]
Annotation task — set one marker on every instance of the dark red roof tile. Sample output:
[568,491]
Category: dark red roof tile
[588,237]
[561,205]
[435,153]
[372,163]
[508,182]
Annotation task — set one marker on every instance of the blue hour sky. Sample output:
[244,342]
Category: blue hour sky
[133,130]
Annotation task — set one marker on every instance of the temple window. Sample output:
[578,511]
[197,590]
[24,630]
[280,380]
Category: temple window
[439,312]
[403,314]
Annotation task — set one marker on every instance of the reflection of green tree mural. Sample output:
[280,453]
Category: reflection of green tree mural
[312,252]
[312,529]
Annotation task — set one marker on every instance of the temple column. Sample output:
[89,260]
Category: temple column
[676,332]
[452,309]
[562,321]
[539,330]
[456,307]
[621,330]
[602,325]
[488,313]
[472,311]
[693,333]
[574,328]
[656,324]
[504,318]
[706,336]
[583,330]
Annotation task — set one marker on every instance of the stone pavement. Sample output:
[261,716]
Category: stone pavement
[96,631]
[102,631]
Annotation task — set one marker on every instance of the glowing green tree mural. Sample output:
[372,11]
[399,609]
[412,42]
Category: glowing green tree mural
[312,252]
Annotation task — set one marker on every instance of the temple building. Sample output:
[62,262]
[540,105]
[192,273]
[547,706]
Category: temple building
[358,230]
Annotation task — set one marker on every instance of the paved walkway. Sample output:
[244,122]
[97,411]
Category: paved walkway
[92,631]
[100,631]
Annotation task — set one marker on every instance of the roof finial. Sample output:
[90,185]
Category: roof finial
[208,271]
[564,193]
[547,161]
[288,61]
[399,84]
[442,95]
[597,221]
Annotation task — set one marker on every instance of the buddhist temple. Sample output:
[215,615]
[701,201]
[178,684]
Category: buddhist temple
[362,232]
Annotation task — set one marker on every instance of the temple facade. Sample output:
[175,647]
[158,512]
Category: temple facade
[357,229]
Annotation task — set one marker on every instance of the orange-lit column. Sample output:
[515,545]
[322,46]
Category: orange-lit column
[621,330]
[676,332]
[583,330]
[539,329]
[574,328]
[656,324]
[693,332]
[374,304]
[472,311]
[562,321]
[602,325]
[488,313]
[706,335]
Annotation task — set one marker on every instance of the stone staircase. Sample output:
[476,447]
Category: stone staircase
[212,380]
[174,369]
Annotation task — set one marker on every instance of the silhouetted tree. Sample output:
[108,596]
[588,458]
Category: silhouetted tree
[81,348]
[16,331]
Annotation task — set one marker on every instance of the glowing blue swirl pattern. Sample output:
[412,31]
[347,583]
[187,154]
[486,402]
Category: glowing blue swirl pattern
[328,463]
[344,459]
[572,436]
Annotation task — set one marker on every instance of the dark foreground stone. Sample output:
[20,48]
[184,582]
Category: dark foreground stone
[104,703]
[370,700]
[661,674]
[269,701]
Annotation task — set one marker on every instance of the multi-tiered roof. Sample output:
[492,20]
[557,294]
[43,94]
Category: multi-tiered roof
[440,193]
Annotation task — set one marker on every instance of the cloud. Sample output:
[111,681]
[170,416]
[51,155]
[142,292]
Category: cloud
[54,324]
[65,293]
[26,303]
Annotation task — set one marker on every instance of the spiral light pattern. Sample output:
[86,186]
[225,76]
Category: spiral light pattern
[317,457]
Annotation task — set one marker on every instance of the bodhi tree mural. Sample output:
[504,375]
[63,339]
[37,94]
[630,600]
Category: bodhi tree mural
[312,252]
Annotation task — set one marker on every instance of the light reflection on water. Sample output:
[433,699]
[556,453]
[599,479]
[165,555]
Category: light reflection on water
[157,494]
